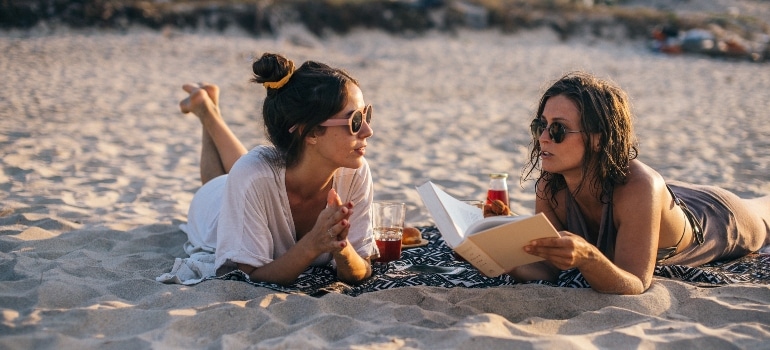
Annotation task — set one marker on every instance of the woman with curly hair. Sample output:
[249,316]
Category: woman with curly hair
[618,217]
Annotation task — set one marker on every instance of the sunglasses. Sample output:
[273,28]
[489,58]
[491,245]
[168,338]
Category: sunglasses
[556,130]
[354,122]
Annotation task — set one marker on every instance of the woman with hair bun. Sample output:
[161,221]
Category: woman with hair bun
[275,210]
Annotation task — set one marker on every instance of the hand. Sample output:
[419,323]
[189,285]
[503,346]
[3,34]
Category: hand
[331,229]
[333,201]
[565,252]
[202,96]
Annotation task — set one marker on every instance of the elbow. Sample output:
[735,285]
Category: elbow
[628,289]
[620,292]
[353,280]
[283,282]
[279,280]
[355,277]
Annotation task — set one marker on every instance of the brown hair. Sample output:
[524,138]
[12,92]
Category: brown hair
[605,110]
[314,93]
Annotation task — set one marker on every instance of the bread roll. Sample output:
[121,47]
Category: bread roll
[411,235]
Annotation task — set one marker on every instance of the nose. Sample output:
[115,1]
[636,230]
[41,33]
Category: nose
[546,132]
[366,130]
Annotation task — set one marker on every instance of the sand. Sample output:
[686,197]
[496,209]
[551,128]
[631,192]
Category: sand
[99,166]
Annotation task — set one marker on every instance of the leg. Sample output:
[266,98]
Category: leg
[220,147]
[211,164]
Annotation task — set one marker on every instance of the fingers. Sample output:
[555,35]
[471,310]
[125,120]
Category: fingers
[563,252]
[343,235]
[333,199]
[336,217]
[338,234]
[341,219]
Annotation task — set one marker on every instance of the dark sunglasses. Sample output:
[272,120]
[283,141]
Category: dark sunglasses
[355,121]
[556,130]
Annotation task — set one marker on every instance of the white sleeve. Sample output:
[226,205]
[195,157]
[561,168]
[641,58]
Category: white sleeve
[254,225]
[356,185]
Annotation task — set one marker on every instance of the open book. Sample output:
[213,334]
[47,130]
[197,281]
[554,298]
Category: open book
[493,245]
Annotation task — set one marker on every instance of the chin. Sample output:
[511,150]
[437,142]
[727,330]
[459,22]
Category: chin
[353,163]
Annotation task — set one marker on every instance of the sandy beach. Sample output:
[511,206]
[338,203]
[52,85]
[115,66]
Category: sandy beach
[99,167]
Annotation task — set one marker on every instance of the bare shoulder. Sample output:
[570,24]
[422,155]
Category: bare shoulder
[643,185]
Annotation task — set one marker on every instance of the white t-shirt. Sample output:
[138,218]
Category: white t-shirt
[244,217]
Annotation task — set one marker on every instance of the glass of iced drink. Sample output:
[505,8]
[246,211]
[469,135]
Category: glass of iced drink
[388,224]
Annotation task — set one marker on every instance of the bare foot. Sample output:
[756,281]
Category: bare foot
[203,98]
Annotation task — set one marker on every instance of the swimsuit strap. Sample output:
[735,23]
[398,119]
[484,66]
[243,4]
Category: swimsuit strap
[697,229]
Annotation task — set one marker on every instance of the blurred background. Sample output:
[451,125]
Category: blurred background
[721,28]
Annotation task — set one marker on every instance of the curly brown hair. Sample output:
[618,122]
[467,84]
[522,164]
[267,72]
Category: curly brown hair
[605,110]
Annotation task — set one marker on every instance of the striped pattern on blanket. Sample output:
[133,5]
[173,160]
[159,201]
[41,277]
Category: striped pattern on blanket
[436,255]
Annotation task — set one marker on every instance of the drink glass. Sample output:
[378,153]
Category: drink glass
[388,224]
[498,188]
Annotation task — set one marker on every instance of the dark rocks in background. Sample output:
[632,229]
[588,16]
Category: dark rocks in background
[254,16]
[113,14]
[599,19]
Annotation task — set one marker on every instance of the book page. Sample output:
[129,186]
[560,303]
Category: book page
[452,216]
[464,215]
[490,222]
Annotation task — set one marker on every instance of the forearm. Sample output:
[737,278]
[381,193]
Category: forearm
[285,269]
[606,277]
[539,271]
[352,268]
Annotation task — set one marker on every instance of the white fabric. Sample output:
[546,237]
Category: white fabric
[244,217]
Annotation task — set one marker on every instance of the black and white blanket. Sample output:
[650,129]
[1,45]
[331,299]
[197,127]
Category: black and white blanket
[434,265]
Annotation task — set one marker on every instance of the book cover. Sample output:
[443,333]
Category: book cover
[493,245]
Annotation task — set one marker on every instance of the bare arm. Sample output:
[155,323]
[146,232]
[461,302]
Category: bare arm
[328,235]
[637,216]
[351,267]
[638,208]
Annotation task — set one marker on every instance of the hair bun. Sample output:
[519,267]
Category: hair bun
[279,84]
[273,71]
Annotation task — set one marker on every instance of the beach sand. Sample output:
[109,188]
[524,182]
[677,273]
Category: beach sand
[99,167]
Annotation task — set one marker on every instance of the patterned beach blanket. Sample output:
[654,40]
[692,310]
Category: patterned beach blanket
[435,265]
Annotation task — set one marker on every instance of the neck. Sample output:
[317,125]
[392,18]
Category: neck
[581,187]
[307,180]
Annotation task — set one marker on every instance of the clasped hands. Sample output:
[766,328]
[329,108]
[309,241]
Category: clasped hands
[331,229]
